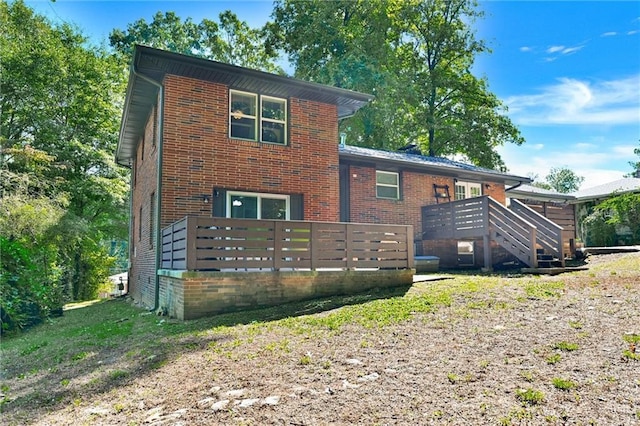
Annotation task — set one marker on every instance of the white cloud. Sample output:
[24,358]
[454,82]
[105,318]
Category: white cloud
[586,160]
[554,49]
[525,49]
[563,50]
[632,32]
[609,34]
[572,101]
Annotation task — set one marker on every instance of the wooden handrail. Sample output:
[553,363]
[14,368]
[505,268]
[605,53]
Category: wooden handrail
[549,234]
[478,217]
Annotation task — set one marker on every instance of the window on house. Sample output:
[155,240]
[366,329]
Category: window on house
[140,225]
[467,190]
[387,185]
[248,205]
[266,124]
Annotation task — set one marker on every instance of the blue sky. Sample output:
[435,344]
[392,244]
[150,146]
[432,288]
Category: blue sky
[568,71]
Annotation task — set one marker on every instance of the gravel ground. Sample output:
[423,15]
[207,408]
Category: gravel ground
[494,357]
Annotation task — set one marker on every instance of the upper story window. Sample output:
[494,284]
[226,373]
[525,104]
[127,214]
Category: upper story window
[467,190]
[387,185]
[266,123]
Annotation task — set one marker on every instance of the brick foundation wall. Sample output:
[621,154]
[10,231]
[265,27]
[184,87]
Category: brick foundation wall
[190,295]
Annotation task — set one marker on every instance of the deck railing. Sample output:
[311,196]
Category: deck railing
[210,244]
[549,234]
[481,217]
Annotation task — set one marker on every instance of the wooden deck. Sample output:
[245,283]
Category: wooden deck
[519,229]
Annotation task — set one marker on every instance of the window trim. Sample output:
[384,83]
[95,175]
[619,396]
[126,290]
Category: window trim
[259,196]
[258,118]
[386,185]
[467,186]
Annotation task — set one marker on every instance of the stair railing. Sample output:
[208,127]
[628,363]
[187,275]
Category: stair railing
[549,235]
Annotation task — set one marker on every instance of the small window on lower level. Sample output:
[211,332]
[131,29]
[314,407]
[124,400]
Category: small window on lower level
[387,185]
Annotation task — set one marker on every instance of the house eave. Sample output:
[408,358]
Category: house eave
[154,64]
[435,169]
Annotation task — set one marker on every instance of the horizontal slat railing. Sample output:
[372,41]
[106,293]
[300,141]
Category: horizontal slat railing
[549,234]
[515,234]
[457,219]
[199,243]
[478,217]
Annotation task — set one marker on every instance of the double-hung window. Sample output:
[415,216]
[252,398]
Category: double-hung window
[467,190]
[387,185]
[257,118]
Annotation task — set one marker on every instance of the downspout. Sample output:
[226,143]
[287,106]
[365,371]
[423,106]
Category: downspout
[160,115]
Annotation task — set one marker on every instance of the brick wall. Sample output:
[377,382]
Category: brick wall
[198,156]
[189,295]
[416,191]
[142,242]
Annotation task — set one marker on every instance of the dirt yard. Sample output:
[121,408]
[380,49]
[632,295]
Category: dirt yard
[509,350]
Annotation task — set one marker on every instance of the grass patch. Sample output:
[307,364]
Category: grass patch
[553,359]
[566,346]
[530,396]
[544,290]
[563,384]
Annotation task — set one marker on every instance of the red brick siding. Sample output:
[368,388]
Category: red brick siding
[142,254]
[416,191]
[198,154]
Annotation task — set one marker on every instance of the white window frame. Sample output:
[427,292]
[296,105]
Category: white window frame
[259,196]
[467,188]
[258,117]
[235,115]
[386,185]
[273,120]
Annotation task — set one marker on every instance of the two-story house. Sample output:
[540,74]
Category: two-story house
[207,139]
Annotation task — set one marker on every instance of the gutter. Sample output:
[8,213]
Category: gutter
[514,186]
[160,125]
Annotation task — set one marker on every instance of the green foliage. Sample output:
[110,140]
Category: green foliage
[415,57]
[615,221]
[623,210]
[62,193]
[563,384]
[530,396]
[566,346]
[564,180]
[231,40]
[29,271]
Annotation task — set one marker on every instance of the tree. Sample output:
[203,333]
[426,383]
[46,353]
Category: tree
[231,41]
[564,180]
[60,108]
[635,165]
[414,56]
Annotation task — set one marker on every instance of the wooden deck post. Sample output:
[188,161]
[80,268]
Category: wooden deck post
[191,240]
[486,248]
[486,237]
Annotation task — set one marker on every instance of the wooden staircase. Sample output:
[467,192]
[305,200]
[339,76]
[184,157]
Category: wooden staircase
[530,237]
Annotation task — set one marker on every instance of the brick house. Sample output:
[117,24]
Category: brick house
[207,139]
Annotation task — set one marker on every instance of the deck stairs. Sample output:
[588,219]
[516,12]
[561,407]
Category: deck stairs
[530,237]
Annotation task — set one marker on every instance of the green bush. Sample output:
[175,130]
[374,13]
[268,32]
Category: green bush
[29,288]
